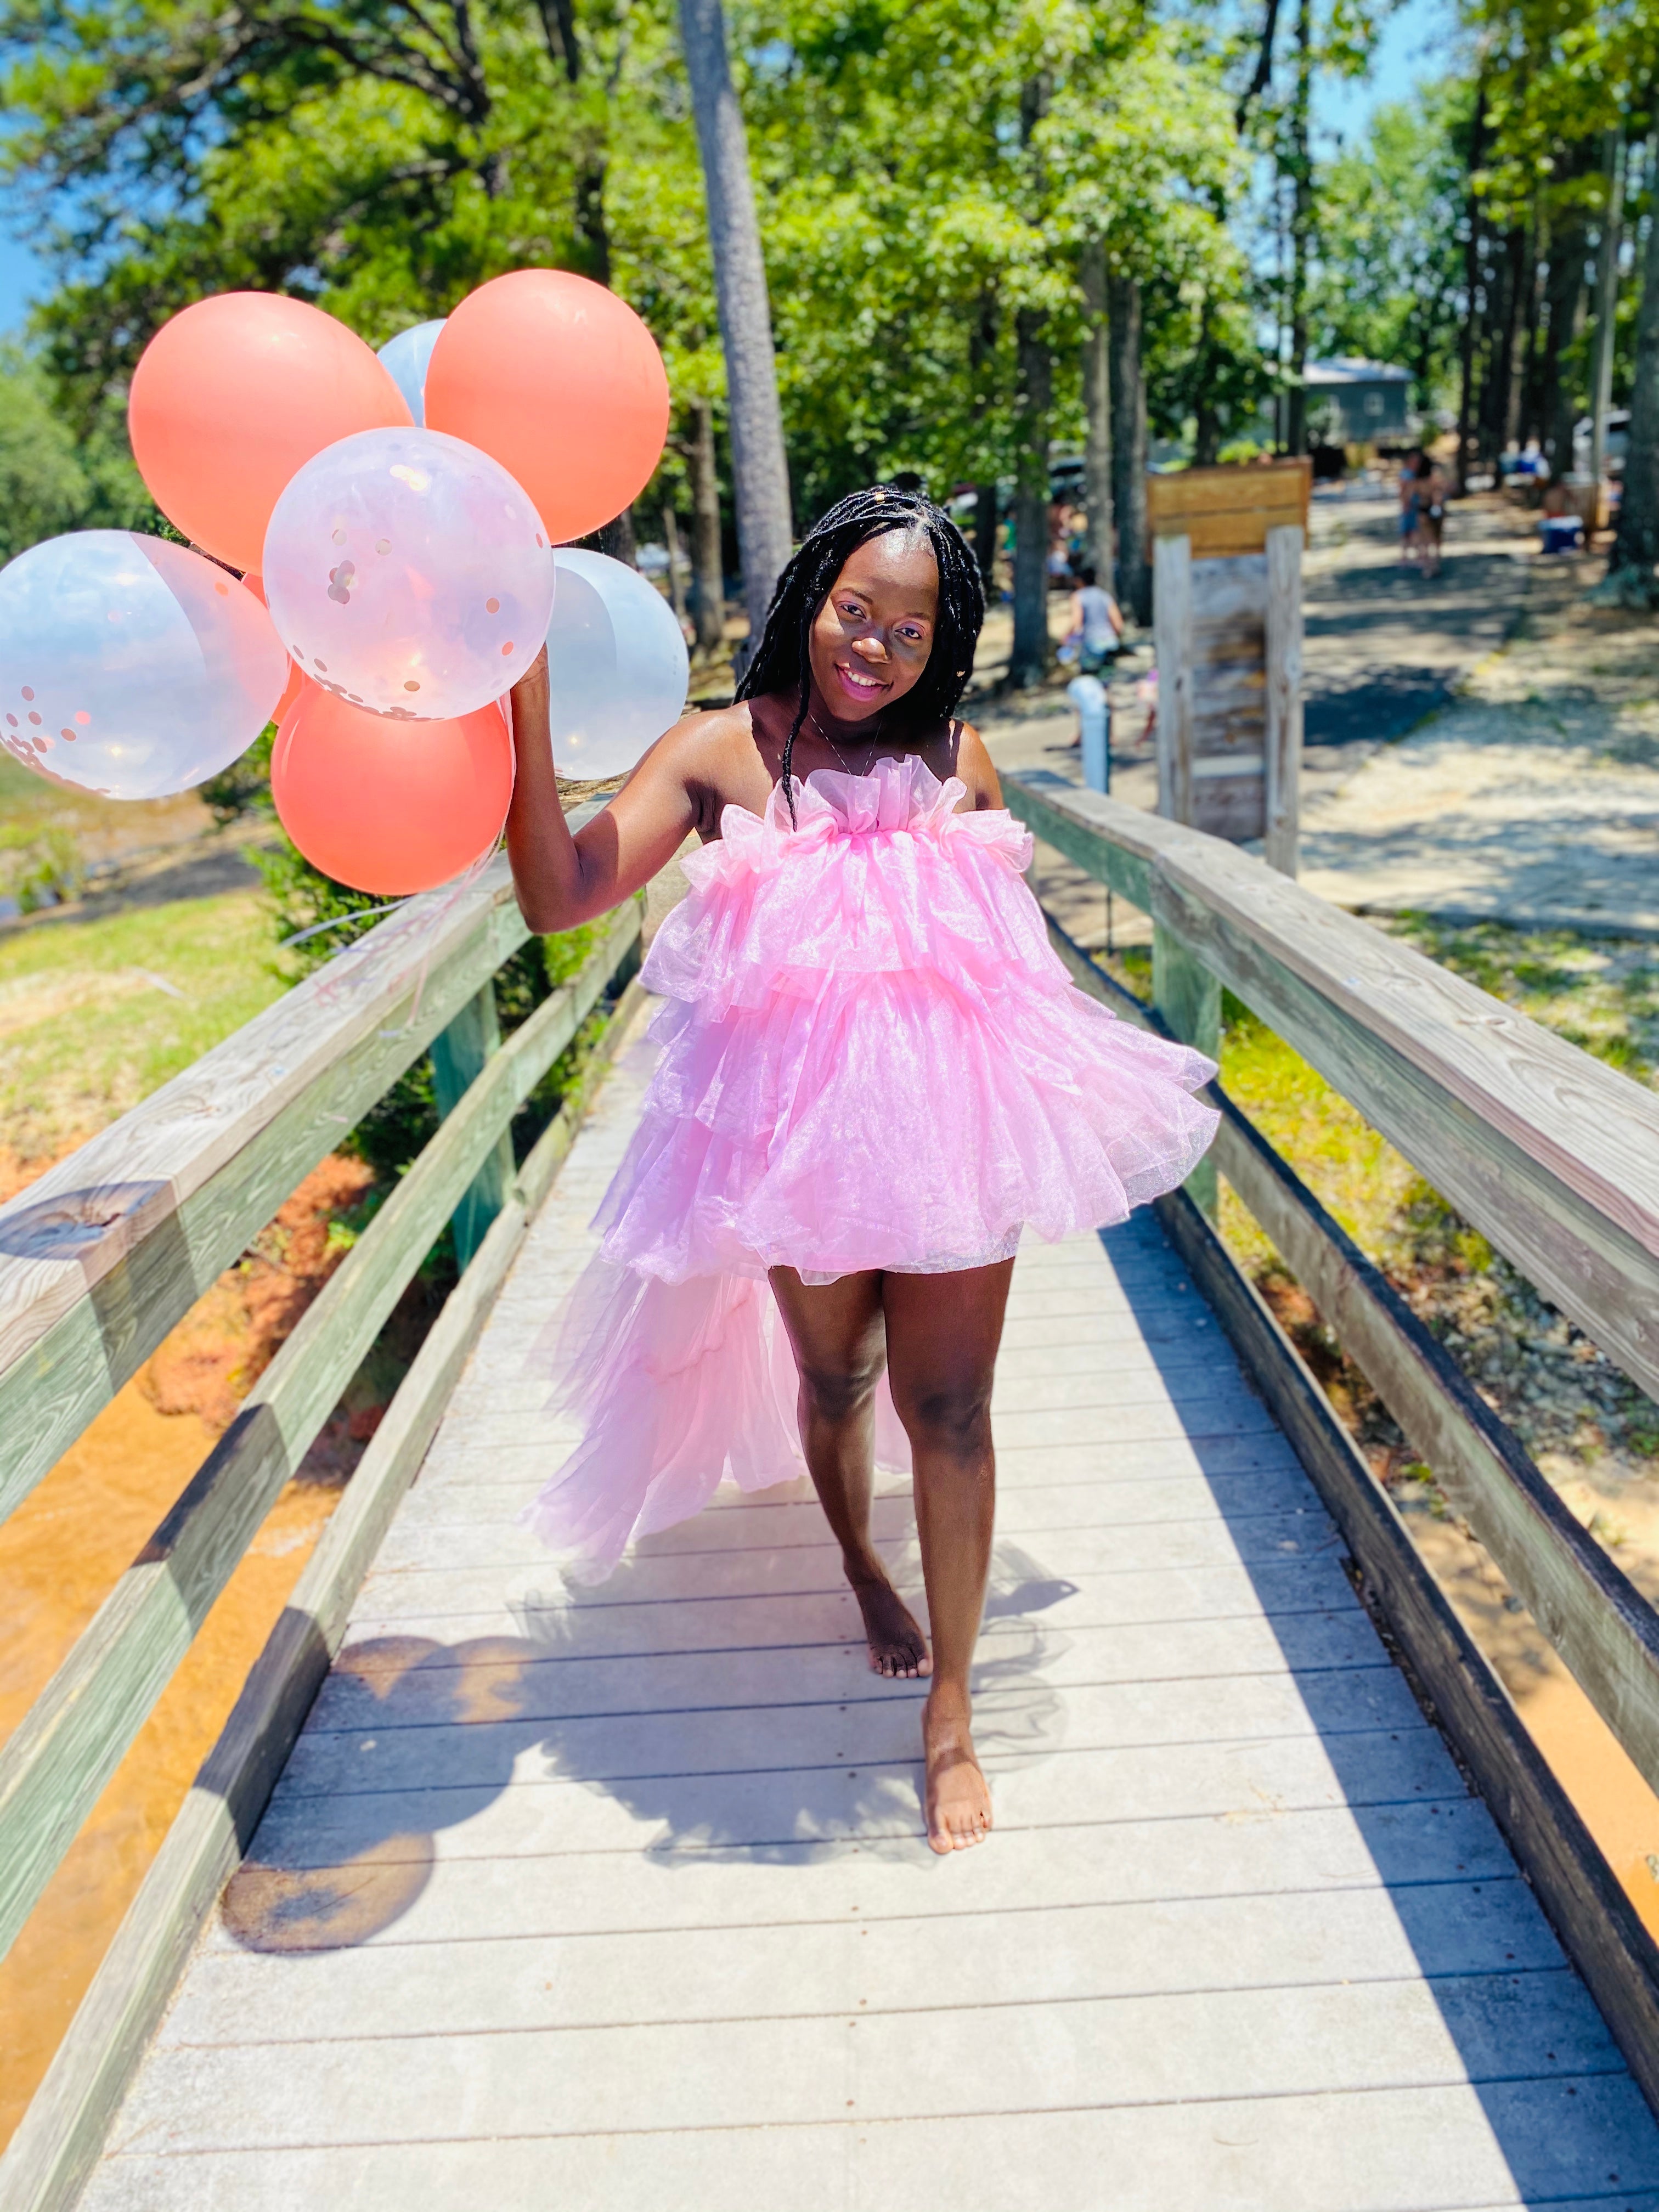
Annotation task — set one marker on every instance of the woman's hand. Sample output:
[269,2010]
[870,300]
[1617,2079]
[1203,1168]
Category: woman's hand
[562,881]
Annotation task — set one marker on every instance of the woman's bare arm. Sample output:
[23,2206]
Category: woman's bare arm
[562,880]
[974,767]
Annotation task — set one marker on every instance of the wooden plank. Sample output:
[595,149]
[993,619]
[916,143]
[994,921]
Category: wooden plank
[1367,2151]
[1257,488]
[1030,795]
[1597,1620]
[59,2138]
[1553,1156]
[1282,644]
[75,1736]
[110,1248]
[1187,998]
[459,1053]
[1172,621]
[1585,1903]
[1603,1627]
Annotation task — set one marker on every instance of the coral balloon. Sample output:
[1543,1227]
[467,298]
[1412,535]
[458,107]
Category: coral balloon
[235,393]
[296,676]
[408,573]
[130,665]
[405,357]
[387,809]
[616,665]
[563,384]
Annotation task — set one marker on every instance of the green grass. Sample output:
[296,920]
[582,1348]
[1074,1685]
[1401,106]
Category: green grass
[87,1029]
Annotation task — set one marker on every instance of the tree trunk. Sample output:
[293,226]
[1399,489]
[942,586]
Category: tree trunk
[1135,575]
[1607,303]
[670,536]
[1030,661]
[1497,392]
[1636,549]
[985,534]
[1301,206]
[1471,293]
[759,468]
[1564,293]
[707,582]
[617,538]
[1097,411]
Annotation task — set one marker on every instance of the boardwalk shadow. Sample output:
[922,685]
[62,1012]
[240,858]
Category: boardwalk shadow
[1434,1846]
[627,1720]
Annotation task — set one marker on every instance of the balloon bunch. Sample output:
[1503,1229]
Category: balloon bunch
[372,567]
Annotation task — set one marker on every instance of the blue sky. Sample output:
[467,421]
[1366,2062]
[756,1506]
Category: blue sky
[1412,45]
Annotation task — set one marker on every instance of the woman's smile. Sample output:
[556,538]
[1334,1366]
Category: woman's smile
[861,683]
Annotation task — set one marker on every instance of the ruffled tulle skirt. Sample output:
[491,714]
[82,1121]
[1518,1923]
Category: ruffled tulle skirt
[870,1058]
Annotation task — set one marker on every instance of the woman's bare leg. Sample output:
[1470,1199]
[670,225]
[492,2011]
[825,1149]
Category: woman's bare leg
[840,1344]
[943,1332]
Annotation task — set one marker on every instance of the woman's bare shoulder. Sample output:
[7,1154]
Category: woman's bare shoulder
[712,755]
[976,769]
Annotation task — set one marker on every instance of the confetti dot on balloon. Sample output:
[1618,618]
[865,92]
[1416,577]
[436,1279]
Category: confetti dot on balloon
[223,590]
[383,545]
[323,665]
[409,685]
[70,734]
[507,649]
[28,691]
[492,607]
[12,719]
[83,718]
[33,717]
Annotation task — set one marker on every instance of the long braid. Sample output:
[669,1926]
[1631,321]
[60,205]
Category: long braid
[782,660]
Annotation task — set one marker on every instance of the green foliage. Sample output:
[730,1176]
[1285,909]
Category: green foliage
[40,865]
[244,787]
[1388,281]
[51,479]
[391,1134]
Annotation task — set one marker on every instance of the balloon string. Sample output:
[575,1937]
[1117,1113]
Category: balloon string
[339,921]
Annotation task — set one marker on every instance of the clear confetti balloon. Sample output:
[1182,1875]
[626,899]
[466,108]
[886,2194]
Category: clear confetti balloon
[408,572]
[616,665]
[130,665]
[404,359]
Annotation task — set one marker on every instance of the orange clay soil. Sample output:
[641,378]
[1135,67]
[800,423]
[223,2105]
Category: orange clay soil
[62,1549]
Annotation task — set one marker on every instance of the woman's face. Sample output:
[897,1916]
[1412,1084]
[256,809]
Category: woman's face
[872,636]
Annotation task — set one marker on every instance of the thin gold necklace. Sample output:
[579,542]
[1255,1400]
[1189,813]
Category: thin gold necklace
[846,764]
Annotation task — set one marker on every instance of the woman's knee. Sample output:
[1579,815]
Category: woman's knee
[835,1391]
[952,1415]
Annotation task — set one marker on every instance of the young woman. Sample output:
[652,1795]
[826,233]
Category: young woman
[874,1073]
[1097,625]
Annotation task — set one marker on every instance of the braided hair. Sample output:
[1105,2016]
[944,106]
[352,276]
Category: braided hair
[782,660]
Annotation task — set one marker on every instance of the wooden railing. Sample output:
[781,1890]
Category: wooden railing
[1554,1159]
[103,1256]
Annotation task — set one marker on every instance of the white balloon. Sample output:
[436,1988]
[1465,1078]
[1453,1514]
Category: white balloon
[130,665]
[616,665]
[408,573]
[406,357]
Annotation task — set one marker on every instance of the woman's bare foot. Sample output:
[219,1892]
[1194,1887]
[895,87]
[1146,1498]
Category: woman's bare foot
[898,1649]
[958,1798]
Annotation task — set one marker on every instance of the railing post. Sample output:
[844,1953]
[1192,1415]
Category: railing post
[458,1054]
[1188,996]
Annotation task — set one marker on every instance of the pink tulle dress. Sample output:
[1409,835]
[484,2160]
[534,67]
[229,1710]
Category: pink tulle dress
[871,1057]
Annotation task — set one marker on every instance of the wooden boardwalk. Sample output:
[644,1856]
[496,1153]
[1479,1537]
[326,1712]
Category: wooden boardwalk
[620,1900]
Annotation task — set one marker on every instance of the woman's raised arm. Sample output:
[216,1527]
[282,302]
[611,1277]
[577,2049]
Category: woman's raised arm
[562,880]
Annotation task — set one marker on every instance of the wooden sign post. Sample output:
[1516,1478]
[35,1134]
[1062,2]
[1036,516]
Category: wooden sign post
[1227,628]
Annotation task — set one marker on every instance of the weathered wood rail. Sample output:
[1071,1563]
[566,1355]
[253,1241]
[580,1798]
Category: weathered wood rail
[1554,1158]
[104,1255]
